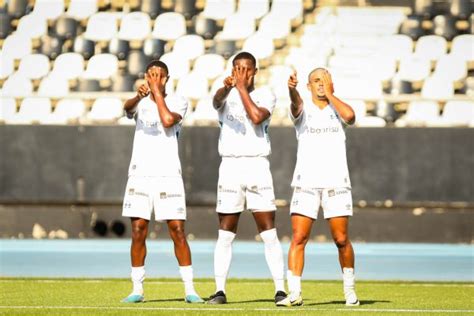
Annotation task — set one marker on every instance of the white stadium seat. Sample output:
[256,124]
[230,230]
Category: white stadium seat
[190,46]
[82,9]
[17,85]
[54,87]
[437,88]
[67,111]
[193,86]
[101,26]
[34,66]
[7,109]
[260,46]
[16,46]
[49,9]
[32,110]
[413,68]
[135,26]
[7,65]
[237,27]
[68,65]
[462,47]
[178,65]
[101,66]
[275,26]
[210,65]
[32,26]
[253,8]
[431,47]
[451,68]
[169,26]
[219,9]
[420,113]
[105,110]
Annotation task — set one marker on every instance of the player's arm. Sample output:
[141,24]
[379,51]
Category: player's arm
[296,106]
[132,103]
[157,82]
[222,94]
[345,110]
[256,114]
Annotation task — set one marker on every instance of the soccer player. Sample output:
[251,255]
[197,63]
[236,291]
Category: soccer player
[155,182]
[244,174]
[321,178]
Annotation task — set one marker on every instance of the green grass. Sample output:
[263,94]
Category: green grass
[27,296]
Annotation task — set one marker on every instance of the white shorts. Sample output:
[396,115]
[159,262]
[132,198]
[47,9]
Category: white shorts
[164,195]
[335,202]
[245,179]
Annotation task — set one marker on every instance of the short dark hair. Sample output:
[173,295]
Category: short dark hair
[157,63]
[313,71]
[245,55]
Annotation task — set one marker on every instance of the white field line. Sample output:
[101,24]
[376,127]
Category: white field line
[299,309]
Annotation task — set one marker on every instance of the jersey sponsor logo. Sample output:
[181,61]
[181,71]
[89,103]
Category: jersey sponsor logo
[325,130]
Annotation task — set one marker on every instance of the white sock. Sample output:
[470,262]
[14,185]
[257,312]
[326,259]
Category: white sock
[222,258]
[138,276]
[187,277]
[274,257]
[348,278]
[294,284]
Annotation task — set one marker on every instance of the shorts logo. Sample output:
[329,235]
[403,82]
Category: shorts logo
[331,193]
[131,191]
[254,188]
[224,190]
[134,167]
[127,204]
[297,189]
[163,195]
[294,203]
[180,210]
[348,207]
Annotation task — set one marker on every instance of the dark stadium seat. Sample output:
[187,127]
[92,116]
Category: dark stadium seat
[136,63]
[84,47]
[51,46]
[65,27]
[460,9]
[205,27]
[471,24]
[445,26]
[123,83]
[397,86]
[119,48]
[85,85]
[225,48]
[424,8]
[153,48]
[5,25]
[152,7]
[186,8]
[412,27]
[18,8]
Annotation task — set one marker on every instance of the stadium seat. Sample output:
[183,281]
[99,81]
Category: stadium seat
[189,46]
[185,7]
[153,48]
[420,113]
[193,86]
[413,68]
[358,88]
[5,25]
[32,26]
[17,8]
[396,46]
[445,26]
[275,26]
[123,83]
[67,111]
[54,87]
[431,47]
[255,9]
[461,9]
[260,46]
[451,68]
[125,120]
[119,48]
[88,85]
[82,9]
[136,63]
[437,88]
[32,110]
[457,113]
[101,66]
[203,114]
[101,26]
[205,27]
[84,47]
[169,26]
[412,27]
[237,27]
[51,46]
[219,9]
[135,26]
[382,68]
[462,47]
[17,85]
[7,66]
[424,8]
[34,66]
[210,65]
[178,65]
[105,110]
[289,9]
[225,48]
[7,109]
[68,65]
[65,28]
[16,46]
[48,9]
[278,80]
[151,7]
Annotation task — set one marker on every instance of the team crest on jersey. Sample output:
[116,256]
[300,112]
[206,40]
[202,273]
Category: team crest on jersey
[162,195]
[331,193]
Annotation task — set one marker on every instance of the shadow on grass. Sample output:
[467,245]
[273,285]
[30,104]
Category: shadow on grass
[252,301]
[165,300]
[365,302]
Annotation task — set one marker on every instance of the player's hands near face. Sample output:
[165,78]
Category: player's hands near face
[242,76]
[229,82]
[143,91]
[156,80]
[327,84]
[293,81]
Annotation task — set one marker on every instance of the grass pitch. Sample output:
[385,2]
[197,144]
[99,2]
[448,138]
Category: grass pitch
[246,297]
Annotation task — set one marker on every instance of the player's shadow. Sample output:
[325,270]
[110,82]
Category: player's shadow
[165,300]
[365,302]
[252,301]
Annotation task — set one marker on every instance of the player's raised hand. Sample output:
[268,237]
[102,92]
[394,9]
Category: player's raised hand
[327,83]
[143,91]
[229,82]
[156,80]
[242,79]
[293,80]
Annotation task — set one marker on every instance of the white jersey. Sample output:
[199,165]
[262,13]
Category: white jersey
[321,159]
[239,136]
[155,148]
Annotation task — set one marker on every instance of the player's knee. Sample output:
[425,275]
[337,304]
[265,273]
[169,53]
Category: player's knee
[341,241]
[138,232]
[178,234]
[299,239]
